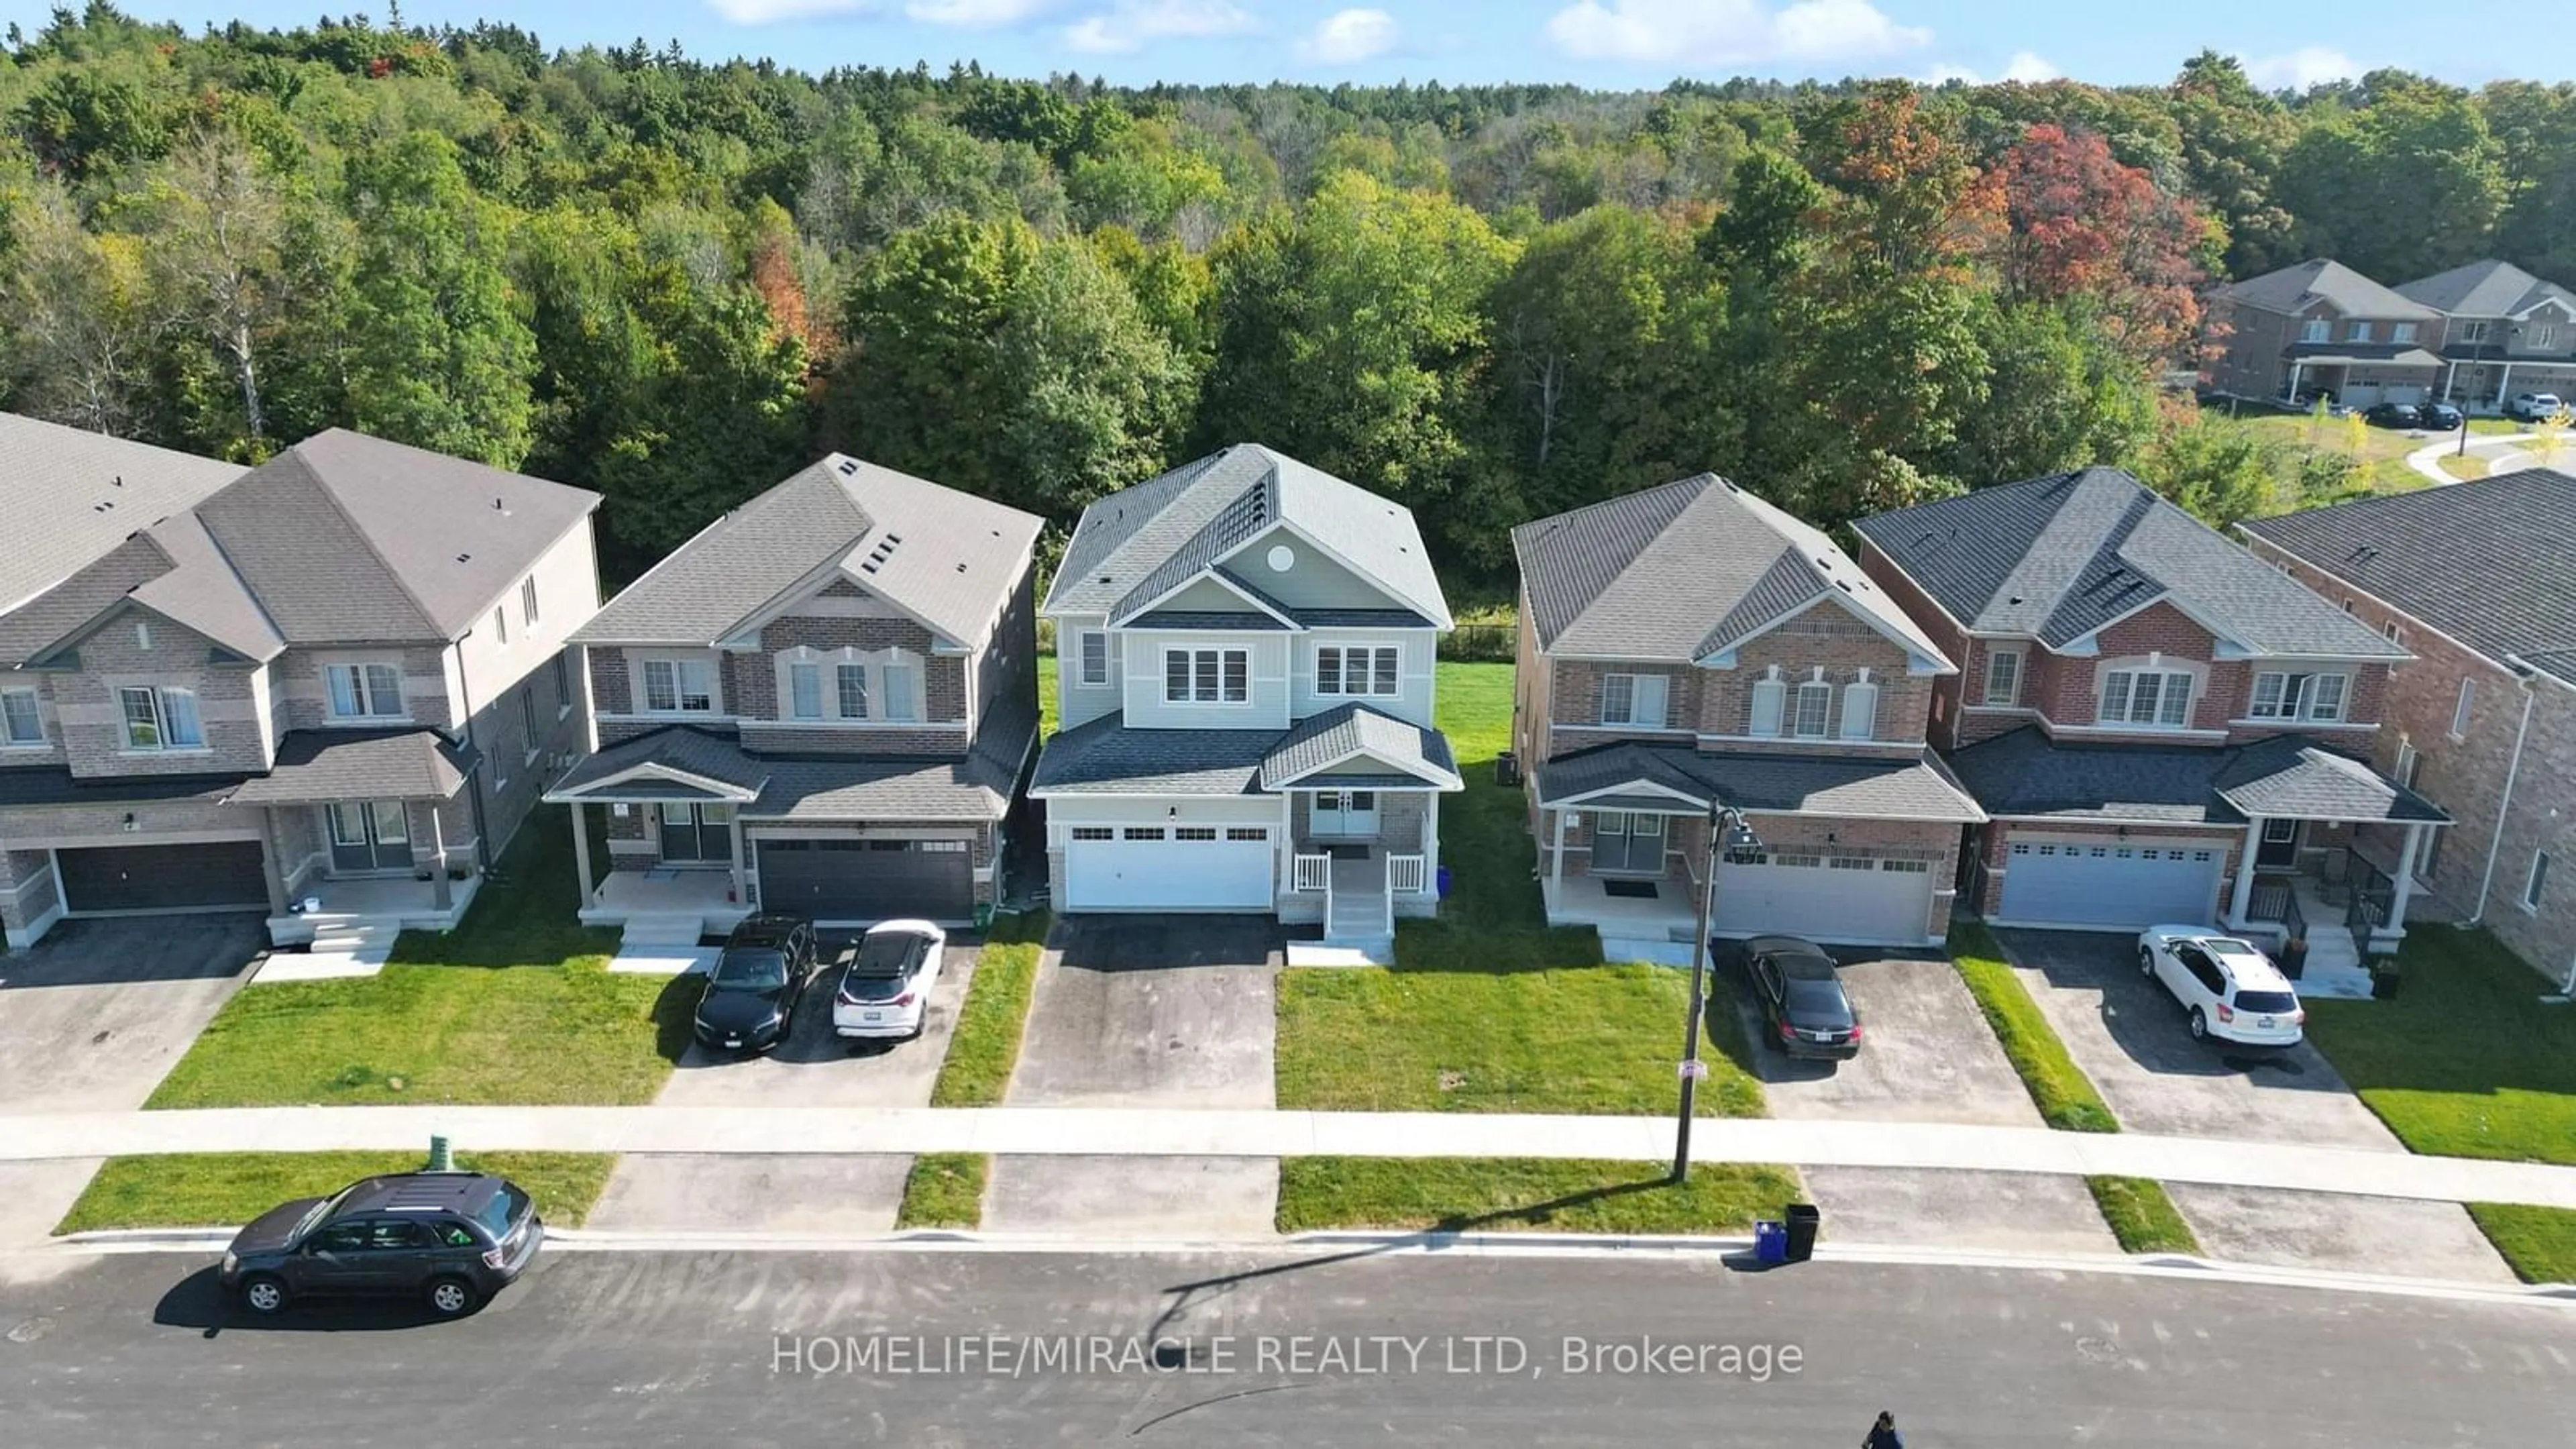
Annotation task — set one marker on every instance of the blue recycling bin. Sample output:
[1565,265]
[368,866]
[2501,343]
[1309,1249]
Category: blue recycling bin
[1442,879]
[1770,1242]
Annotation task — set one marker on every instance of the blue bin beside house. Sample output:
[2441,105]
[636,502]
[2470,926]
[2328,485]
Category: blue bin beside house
[1441,879]
[1770,1241]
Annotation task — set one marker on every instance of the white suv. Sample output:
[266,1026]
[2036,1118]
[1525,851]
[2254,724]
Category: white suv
[2233,991]
[2532,407]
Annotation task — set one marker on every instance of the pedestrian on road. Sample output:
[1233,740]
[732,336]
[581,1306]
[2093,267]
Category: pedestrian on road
[1883,1435]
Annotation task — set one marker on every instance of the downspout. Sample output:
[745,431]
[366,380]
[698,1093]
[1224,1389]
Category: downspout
[2512,769]
[474,796]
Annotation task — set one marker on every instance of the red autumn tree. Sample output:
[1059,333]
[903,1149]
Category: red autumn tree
[2083,225]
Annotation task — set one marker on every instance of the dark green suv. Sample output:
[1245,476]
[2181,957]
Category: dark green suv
[451,1239]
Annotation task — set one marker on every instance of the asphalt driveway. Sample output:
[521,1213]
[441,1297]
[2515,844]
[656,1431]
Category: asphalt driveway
[99,1011]
[1175,1012]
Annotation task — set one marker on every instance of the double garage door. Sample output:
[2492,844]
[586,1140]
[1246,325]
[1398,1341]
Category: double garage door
[223,875]
[848,879]
[1167,868]
[1852,899]
[2110,887]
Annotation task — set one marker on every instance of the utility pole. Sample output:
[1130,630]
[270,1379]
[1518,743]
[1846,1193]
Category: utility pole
[1692,1067]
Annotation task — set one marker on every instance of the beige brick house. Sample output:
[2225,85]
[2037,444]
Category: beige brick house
[822,704]
[327,687]
[2476,580]
[2143,708]
[1691,647]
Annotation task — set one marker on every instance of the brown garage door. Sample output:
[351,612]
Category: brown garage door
[867,880]
[220,876]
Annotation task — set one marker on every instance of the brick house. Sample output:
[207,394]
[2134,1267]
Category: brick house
[821,704]
[327,687]
[2321,328]
[2478,581]
[1691,647]
[1247,693]
[2142,706]
[2504,332]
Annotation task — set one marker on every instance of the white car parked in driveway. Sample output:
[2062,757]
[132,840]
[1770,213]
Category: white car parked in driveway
[2233,991]
[885,990]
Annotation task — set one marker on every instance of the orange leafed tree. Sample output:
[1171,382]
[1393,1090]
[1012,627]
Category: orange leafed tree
[2083,225]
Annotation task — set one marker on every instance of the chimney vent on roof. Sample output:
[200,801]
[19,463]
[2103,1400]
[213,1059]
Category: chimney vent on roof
[464,558]
[498,506]
[116,482]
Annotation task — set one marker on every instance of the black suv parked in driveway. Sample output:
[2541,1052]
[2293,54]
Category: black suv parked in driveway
[749,1001]
[454,1238]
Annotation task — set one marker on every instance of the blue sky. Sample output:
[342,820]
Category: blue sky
[1612,43]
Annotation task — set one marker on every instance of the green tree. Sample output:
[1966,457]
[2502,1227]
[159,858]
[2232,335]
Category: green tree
[917,387]
[78,332]
[217,254]
[2406,184]
[2234,141]
[1097,393]
[2061,395]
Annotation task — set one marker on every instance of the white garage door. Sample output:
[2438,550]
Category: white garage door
[2109,887]
[1167,868]
[2359,394]
[1826,898]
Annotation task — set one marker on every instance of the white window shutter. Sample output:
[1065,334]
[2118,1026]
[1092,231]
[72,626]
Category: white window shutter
[1768,697]
[1860,711]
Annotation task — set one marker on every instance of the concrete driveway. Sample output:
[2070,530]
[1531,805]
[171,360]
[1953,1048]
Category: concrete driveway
[792,1193]
[1175,1012]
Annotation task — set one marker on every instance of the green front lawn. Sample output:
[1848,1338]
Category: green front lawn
[514,1006]
[986,1045]
[2142,1215]
[2064,1095]
[2465,1061]
[2539,1242]
[944,1190]
[1526,1194]
[227,1189]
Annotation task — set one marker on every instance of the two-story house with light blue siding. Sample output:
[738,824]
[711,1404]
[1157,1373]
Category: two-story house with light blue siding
[1246,680]
[328,687]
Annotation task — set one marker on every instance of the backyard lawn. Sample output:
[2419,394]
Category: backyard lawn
[1521,1194]
[227,1189]
[514,1006]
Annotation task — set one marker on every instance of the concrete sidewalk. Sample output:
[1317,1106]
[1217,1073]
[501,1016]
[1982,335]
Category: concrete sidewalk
[2426,459]
[1103,1131]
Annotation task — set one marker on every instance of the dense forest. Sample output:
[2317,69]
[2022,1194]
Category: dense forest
[674,281]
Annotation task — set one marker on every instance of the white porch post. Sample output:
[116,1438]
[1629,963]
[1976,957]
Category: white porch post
[2292,390]
[2244,893]
[1431,845]
[441,893]
[733,826]
[2405,888]
[2504,388]
[1556,857]
[581,852]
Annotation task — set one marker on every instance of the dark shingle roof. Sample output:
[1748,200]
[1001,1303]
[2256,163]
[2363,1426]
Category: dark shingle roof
[2291,289]
[1900,788]
[820,788]
[2025,773]
[1104,756]
[318,766]
[70,497]
[2061,556]
[693,752]
[1206,619]
[1684,571]
[949,558]
[2488,288]
[55,785]
[2491,563]
[1337,736]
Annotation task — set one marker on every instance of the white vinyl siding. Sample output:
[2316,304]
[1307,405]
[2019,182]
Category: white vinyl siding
[1638,701]
[1149,674]
[364,691]
[2003,677]
[1322,660]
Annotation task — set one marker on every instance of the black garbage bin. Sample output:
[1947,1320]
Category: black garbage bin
[1803,1220]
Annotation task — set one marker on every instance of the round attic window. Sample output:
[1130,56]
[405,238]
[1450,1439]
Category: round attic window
[1282,558]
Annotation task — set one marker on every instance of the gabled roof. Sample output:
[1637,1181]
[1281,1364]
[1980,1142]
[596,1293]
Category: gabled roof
[2488,288]
[1686,571]
[2061,557]
[70,497]
[317,766]
[709,764]
[678,762]
[2024,773]
[2492,563]
[1354,738]
[1136,546]
[2292,289]
[1632,773]
[947,558]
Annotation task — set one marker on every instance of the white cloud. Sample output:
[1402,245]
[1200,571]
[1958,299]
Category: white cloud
[962,14]
[1347,37]
[2025,66]
[2308,66]
[1729,32]
[764,12]
[1130,23]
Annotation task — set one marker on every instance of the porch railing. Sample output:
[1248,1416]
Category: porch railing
[2277,899]
[1404,875]
[1311,873]
[2373,893]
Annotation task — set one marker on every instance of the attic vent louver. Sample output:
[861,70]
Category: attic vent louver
[464,558]
[116,482]
[849,467]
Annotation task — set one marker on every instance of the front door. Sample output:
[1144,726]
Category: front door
[697,833]
[1344,813]
[2280,847]
[370,835]
[1623,843]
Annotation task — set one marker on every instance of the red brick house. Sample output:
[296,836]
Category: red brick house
[2478,581]
[2141,706]
[1690,646]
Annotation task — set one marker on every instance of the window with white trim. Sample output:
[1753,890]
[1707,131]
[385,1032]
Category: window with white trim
[21,722]
[2157,698]
[899,687]
[1860,709]
[2468,332]
[2394,632]
[528,601]
[2359,331]
[2316,329]
[1770,699]
[804,691]
[1352,671]
[1091,656]
[2460,711]
[2003,677]
[679,686]
[363,691]
[2536,882]
[1637,701]
[2401,332]
[1094,832]
[1815,710]
[2540,336]
[160,719]
[2283,695]
[850,690]
[2408,762]
[1207,676]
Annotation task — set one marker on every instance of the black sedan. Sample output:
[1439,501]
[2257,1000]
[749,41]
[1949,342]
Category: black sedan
[1800,991]
[2395,415]
[749,1004]
[2441,417]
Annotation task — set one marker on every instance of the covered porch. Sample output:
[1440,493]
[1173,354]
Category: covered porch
[1363,795]
[667,808]
[2331,853]
[368,835]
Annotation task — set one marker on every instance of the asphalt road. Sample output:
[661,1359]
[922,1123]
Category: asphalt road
[756,1349]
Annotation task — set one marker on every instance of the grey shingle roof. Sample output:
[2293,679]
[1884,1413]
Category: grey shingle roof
[2361,354]
[71,497]
[1136,545]
[202,591]
[1684,571]
[1349,736]
[55,785]
[1206,619]
[1361,619]
[2292,288]
[2491,563]
[2025,773]
[317,766]
[1106,757]
[1891,789]
[2488,288]
[2059,557]
[694,752]
[820,788]
[949,558]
